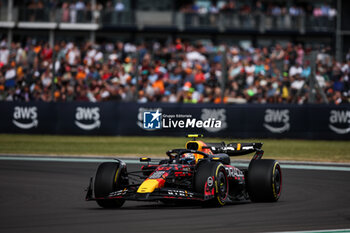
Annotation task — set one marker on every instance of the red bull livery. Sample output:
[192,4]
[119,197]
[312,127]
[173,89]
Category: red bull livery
[201,173]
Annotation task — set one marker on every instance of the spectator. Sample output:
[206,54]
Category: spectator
[4,54]
[73,13]
[65,12]
[119,6]
[347,57]
[295,70]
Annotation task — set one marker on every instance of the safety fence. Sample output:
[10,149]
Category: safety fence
[235,121]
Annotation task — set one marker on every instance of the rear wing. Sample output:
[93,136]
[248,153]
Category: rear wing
[235,149]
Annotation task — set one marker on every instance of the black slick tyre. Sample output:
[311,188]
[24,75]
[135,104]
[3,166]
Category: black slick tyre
[107,180]
[264,180]
[219,182]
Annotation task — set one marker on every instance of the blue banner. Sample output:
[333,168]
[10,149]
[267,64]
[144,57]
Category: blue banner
[159,119]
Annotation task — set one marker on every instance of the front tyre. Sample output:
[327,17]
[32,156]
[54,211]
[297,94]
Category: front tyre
[219,182]
[264,181]
[108,179]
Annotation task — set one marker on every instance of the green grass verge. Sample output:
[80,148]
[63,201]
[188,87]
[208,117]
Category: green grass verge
[302,150]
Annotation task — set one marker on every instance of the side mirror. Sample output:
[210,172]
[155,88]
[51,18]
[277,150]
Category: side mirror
[145,159]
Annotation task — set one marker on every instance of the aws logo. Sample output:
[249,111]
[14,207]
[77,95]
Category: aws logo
[87,118]
[277,120]
[339,121]
[217,114]
[25,117]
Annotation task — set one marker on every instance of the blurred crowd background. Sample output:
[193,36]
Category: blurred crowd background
[237,13]
[177,72]
[185,51]
[78,9]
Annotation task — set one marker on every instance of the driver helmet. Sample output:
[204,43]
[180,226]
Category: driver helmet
[188,158]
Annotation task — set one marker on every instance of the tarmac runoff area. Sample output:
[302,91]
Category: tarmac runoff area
[46,194]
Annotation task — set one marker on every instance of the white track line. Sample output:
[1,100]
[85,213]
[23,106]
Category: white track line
[134,161]
[319,231]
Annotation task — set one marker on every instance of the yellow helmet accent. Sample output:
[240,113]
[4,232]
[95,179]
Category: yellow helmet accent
[145,159]
[194,135]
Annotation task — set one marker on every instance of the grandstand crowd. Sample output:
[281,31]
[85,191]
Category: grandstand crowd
[201,7]
[173,72]
[270,8]
[73,11]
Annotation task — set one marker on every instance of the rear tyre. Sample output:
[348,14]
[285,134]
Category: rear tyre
[264,180]
[219,182]
[107,180]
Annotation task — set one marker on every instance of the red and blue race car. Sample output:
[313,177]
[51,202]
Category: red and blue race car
[201,172]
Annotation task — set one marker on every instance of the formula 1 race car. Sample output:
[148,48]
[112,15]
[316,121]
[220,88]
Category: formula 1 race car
[202,172]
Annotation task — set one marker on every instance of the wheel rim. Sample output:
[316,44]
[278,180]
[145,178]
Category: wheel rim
[278,181]
[222,185]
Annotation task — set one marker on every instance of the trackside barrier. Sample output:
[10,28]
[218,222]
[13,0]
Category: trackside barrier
[238,121]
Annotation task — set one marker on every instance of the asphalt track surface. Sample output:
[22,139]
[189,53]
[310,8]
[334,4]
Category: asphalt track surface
[49,197]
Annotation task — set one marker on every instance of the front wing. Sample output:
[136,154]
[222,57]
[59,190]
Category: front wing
[156,195]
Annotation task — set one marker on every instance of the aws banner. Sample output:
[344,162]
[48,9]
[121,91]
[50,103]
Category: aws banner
[238,121]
